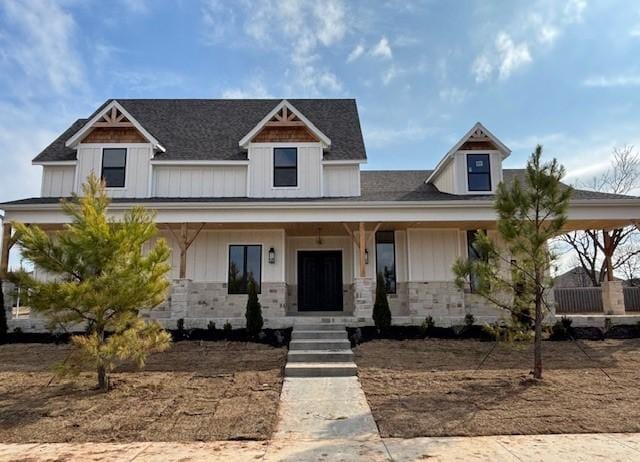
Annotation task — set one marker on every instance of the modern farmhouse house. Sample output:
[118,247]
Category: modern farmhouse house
[274,190]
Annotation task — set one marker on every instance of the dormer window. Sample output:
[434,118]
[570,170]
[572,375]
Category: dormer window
[478,172]
[285,167]
[114,165]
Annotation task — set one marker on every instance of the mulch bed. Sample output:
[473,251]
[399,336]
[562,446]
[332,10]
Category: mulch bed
[196,391]
[434,387]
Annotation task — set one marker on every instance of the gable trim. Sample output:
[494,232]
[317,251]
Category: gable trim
[324,140]
[449,155]
[79,135]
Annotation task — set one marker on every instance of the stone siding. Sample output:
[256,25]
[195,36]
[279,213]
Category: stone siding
[443,301]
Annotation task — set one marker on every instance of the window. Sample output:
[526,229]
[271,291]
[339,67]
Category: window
[114,163]
[386,259]
[285,167]
[474,254]
[478,172]
[245,263]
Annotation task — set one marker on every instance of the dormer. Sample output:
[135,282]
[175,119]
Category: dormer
[473,166]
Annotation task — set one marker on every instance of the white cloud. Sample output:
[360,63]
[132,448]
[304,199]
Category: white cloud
[145,81]
[136,6]
[574,10]
[547,34]
[635,31]
[254,89]
[482,68]
[382,49]
[512,55]
[622,80]
[383,136]
[355,53]
[389,75]
[41,47]
[453,95]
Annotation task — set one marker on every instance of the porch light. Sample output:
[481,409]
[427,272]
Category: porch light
[366,256]
[272,255]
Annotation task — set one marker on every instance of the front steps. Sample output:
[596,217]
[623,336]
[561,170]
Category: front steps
[320,350]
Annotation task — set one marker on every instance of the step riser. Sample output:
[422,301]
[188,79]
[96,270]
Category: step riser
[324,372]
[325,335]
[314,346]
[320,357]
[329,327]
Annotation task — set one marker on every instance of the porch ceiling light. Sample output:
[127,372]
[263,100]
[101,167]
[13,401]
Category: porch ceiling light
[272,255]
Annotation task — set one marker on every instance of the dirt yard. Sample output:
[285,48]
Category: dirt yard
[196,391]
[432,388]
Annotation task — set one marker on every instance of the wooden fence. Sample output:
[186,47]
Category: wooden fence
[578,300]
[631,298]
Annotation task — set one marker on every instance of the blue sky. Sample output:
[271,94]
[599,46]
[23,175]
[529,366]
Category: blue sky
[564,74]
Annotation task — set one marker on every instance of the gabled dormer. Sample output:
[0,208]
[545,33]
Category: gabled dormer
[473,165]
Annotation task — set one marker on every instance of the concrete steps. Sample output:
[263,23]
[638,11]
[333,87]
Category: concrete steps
[320,350]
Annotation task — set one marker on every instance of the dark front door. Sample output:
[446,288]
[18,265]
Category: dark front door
[320,281]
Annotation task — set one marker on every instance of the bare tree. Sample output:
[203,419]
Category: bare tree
[592,245]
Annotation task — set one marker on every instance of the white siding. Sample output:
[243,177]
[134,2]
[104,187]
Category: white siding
[261,171]
[296,243]
[208,256]
[137,170]
[201,181]
[446,181]
[432,253]
[57,181]
[341,180]
[460,168]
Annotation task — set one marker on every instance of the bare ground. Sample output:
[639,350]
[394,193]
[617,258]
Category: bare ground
[196,391]
[431,387]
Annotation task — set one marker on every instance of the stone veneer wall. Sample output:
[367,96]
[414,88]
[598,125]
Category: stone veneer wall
[440,300]
[399,302]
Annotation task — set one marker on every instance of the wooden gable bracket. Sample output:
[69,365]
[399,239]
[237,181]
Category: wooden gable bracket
[184,242]
[285,118]
[113,119]
[361,243]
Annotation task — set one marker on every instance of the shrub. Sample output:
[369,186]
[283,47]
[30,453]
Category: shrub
[211,327]
[381,311]
[562,329]
[427,326]
[469,320]
[180,326]
[227,327]
[254,311]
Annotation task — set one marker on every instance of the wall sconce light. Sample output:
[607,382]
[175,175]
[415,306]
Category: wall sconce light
[272,255]
[366,256]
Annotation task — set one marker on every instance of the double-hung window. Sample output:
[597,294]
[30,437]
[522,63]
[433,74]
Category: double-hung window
[114,166]
[386,259]
[478,172]
[245,264]
[285,167]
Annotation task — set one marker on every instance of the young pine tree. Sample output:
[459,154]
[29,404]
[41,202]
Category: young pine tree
[529,215]
[381,311]
[254,310]
[101,278]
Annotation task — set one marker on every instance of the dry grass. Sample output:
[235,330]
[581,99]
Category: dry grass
[432,388]
[196,391]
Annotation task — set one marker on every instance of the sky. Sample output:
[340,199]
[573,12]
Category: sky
[563,74]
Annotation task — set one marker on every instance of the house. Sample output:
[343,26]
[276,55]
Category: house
[275,190]
[576,277]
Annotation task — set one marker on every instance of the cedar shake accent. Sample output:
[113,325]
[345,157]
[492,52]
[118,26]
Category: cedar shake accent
[478,145]
[284,135]
[115,135]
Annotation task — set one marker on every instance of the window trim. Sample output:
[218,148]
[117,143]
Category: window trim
[245,263]
[102,167]
[273,169]
[395,260]
[468,174]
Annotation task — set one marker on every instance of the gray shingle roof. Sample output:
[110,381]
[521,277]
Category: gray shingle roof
[210,129]
[376,185]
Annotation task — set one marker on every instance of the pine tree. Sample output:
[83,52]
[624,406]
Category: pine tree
[253,313]
[529,215]
[102,277]
[381,311]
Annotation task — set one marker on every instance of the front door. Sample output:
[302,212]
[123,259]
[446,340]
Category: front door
[320,281]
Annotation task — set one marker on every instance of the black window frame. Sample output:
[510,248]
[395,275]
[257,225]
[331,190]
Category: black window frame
[395,260]
[244,288]
[486,174]
[277,168]
[471,237]
[123,168]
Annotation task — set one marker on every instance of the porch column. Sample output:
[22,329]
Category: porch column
[362,247]
[612,290]
[184,242]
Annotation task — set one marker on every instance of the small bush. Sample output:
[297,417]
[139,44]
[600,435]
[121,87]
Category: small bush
[211,327]
[562,329]
[381,311]
[254,311]
[227,327]
[469,320]
[180,326]
[427,326]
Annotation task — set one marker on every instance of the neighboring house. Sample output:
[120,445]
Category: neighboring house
[575,277]
[273,189]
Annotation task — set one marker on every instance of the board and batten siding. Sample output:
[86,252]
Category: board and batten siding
[208,255]
[200,181]
[137,168]
[446,180]
[461,185]
[57,181]
[432,253]
[341,180]
[261,171]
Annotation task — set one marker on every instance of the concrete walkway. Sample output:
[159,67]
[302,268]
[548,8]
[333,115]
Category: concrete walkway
[563,448]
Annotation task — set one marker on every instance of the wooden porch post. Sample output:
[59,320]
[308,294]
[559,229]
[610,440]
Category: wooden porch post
[6,246]
[184,242]
[608,250]
[362,248]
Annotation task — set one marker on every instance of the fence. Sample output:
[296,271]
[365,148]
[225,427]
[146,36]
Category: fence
[631,298]
[579,300]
